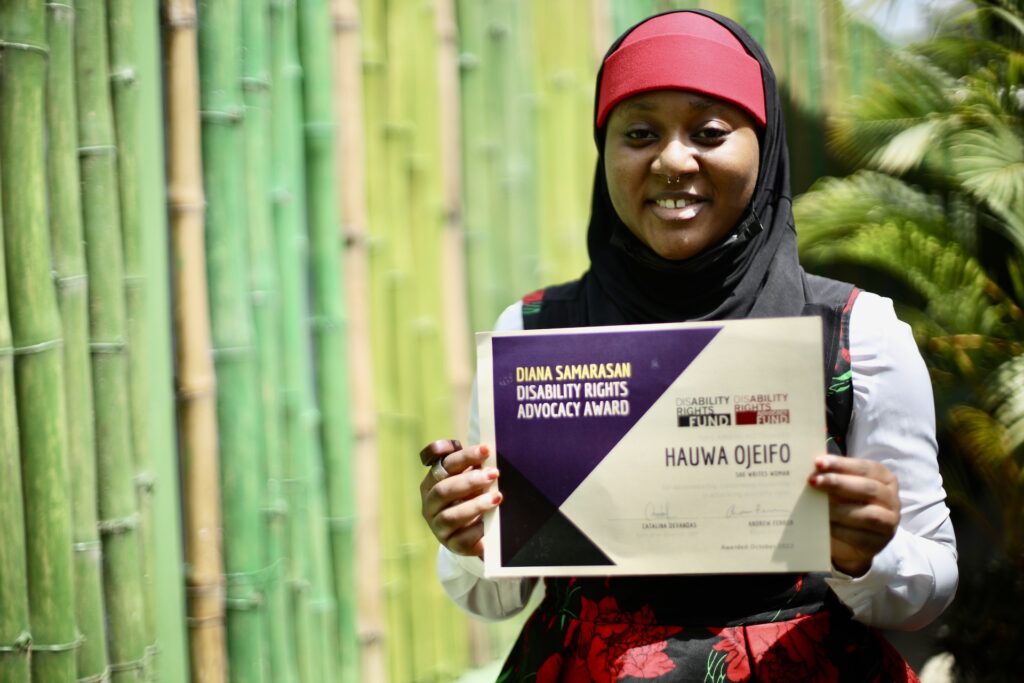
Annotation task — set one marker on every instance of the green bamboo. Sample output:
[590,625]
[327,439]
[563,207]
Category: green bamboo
[125,91]
[72,291]
[36,333]
[330,327]
[172,663]
[564,74]
[352,189]
[220,61]
[265,301]
[314,624]
[376,62]
[14,634]
[118,505]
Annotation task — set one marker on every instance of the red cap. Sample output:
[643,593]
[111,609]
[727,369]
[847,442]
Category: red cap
[682,51]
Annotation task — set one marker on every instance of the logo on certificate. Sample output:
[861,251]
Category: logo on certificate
[703,411]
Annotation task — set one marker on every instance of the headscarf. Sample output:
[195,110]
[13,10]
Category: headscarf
[753,272]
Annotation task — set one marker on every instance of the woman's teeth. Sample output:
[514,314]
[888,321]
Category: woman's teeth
[674,203]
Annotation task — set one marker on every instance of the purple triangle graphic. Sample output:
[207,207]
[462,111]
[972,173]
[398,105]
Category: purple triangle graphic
[556,454]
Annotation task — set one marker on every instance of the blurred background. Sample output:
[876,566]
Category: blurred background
[245,246]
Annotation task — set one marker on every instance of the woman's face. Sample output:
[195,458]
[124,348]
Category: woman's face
[708,148]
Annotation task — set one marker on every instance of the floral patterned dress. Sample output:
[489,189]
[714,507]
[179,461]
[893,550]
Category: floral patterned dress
[609,629]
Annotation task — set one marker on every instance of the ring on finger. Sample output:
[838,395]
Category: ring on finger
[438,472]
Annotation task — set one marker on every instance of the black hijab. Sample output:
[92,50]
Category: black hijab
[753,272]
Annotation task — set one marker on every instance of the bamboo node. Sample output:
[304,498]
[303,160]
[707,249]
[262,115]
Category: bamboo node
[277,510]
[255,83]
[343,24]
[497,31]
[468,61]
[231,351]
[59,647]
[228,115]
[101,677]
[245,604]
[97,150]
[28,47]
[87,546]
[20,645]
[124,76]
[118,525]
[133,665]
[38,348]
[371,637]
[60,8]
[6,351]
[145,482]
[113,347]
[71,282]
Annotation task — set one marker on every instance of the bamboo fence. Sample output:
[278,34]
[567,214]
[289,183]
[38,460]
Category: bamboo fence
[352,187]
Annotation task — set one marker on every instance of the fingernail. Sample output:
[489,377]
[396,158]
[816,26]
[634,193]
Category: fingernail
[496,498]
[484,450]
[491,474]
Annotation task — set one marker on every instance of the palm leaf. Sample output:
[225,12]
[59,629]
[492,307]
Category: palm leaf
[989,163]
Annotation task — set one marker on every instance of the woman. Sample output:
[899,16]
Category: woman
[691,220]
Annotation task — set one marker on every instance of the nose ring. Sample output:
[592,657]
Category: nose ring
[673,179]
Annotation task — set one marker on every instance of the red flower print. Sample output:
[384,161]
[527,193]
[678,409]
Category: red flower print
[549,670]
[731,643]
[645,661]
[791,650]
[613,644]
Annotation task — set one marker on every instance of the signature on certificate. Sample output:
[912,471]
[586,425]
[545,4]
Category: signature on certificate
[735,510]
[657,511]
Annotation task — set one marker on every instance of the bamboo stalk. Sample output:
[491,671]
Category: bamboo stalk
[313,606]
[36,334]
[14,634]
[330,328]
[118,506]
[455,328]
[265,301]
[220,59]
[72,291]
[352,166]
[172,663]
[196,383]
[125,91]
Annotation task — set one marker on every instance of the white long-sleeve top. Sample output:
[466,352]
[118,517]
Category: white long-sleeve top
[915,576]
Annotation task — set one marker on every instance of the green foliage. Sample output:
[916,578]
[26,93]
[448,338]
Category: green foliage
[936,220]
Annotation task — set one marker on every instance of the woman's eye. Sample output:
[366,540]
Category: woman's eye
[711,134]
[640,134]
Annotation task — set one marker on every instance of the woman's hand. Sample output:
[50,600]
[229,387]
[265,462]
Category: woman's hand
[863,507]
[454,505]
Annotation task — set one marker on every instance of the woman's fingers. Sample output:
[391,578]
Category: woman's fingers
[453,506]
[455,462]
[456,488]
[452,520]
[864,508]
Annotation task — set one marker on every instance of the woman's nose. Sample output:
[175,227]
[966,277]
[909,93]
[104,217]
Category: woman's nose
[677,158]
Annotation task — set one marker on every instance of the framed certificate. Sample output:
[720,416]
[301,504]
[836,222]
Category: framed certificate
[655,449]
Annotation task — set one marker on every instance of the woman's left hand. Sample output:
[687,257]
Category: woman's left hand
[863,507]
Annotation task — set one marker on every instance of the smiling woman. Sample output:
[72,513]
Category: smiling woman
[691,220]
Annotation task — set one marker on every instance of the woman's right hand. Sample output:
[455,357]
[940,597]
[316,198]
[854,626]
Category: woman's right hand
[454,506]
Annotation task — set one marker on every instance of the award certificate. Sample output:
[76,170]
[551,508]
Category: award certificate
[655,449]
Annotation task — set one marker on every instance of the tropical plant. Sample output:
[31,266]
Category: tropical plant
[936,220]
